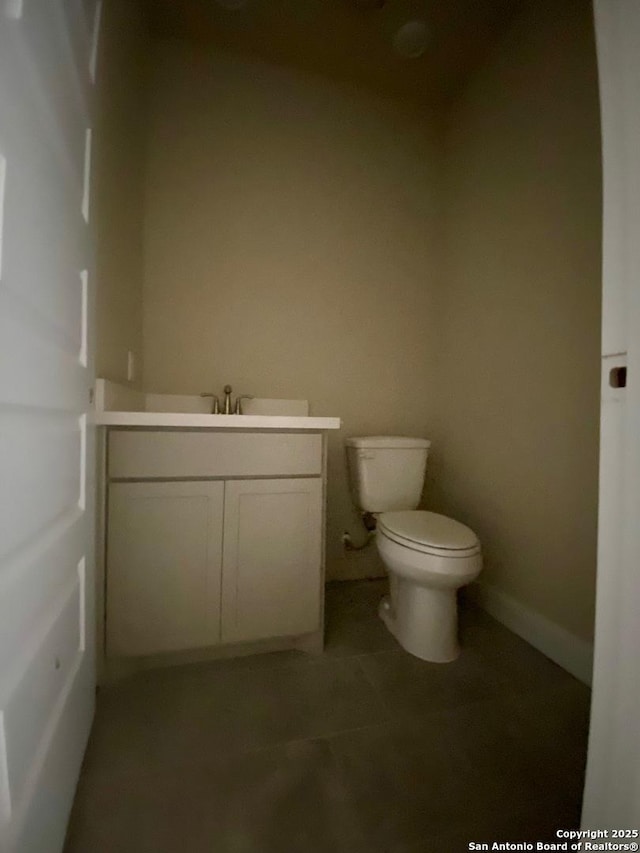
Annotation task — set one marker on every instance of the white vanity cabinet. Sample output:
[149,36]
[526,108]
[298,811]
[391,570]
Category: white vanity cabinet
[213,538]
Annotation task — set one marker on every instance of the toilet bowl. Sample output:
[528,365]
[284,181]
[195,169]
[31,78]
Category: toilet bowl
[428,557]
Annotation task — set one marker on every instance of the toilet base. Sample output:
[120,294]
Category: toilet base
[423,620]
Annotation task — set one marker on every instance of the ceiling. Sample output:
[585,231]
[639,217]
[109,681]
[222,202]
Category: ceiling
[349,40]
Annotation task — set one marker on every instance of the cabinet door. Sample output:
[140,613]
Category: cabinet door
[272,561]
[164,559]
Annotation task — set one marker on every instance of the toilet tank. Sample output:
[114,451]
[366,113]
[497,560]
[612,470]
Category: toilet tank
[386,472]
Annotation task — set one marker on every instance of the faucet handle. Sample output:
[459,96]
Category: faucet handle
[238,408]
[215,403]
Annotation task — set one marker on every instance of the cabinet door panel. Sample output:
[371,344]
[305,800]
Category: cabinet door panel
[164,562]
[272,558]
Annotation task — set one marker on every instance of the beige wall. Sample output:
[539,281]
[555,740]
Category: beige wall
[289,251]
[518,403]
[118,197]
[291,235]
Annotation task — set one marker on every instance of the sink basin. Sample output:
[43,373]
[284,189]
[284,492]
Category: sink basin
[111,397]
[185,403]
[123,406]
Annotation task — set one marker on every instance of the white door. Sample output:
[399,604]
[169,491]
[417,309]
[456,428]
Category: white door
[46,369]
[612,793]
[272,563]
[164,566]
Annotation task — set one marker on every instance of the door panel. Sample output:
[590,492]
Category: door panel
[50,672]
[50,360]
[272,558]
[30,444]
[46,370]
[43,60]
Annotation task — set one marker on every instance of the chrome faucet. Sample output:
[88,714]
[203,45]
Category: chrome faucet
[228,406]
[227,400]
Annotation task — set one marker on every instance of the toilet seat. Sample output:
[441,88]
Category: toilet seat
[429,533]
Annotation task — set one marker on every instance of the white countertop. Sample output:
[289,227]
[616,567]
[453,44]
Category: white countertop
[185,420]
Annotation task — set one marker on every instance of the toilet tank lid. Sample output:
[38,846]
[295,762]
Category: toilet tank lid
[379,442]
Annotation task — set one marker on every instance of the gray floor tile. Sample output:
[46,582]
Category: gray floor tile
[553,725]
[411,687]
[136,811]
[352,623]
[199,713]
[520,664]
[358,637]
[265,707]
[543,734]
[410,778]
[354,599]
[538,821]
[136,724]
[268,660]
[364,748]
[494,753]
[401,780]
[287,798]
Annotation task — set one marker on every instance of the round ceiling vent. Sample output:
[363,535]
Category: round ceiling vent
[366,5]
[411,39]
[231,4]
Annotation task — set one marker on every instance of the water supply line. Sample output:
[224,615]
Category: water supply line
[369,520]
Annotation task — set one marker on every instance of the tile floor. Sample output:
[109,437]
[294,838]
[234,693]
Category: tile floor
[364,748]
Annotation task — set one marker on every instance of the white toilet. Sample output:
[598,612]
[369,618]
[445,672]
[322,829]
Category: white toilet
[428,556]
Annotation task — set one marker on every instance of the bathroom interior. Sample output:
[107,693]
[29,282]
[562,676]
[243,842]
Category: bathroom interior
[401,225]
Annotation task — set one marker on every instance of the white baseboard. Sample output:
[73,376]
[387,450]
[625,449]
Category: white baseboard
[568,651]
